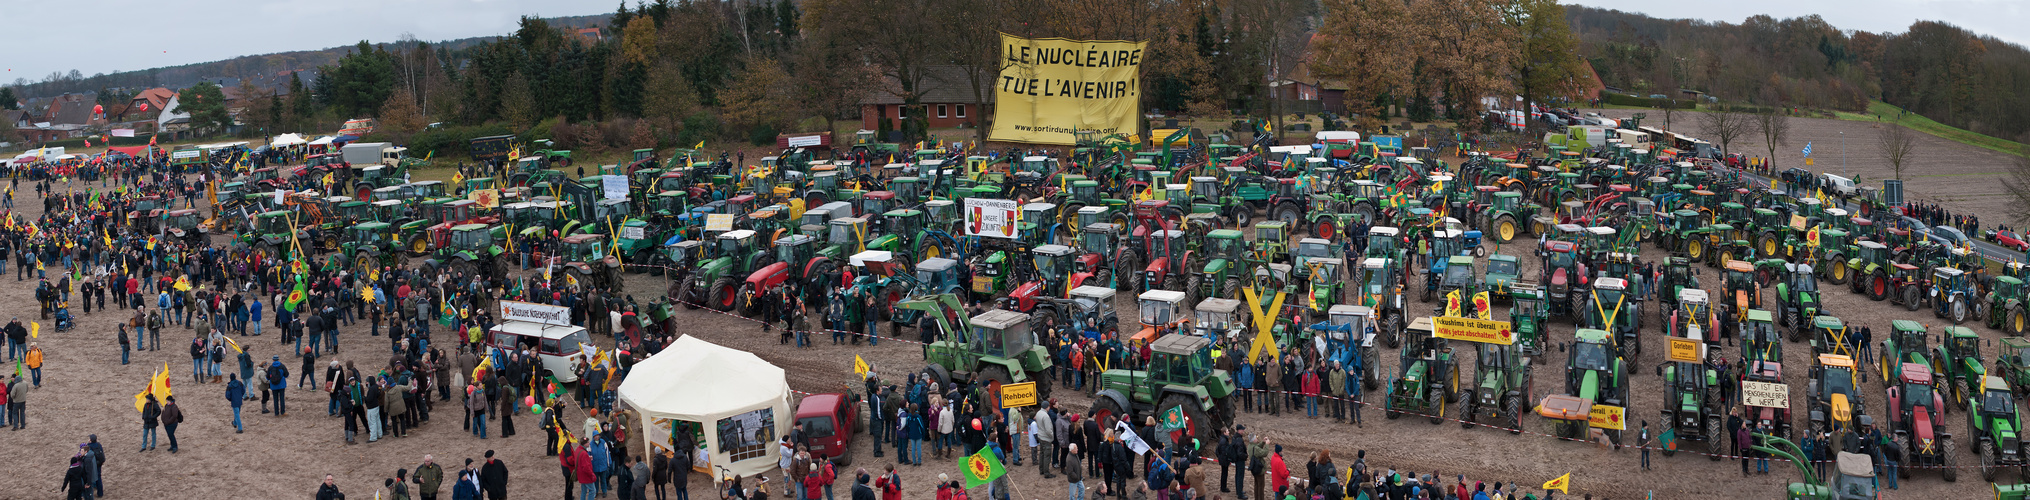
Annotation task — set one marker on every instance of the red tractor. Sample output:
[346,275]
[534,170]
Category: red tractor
[1917,414]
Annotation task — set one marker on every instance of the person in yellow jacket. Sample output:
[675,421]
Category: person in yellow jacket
[35,364]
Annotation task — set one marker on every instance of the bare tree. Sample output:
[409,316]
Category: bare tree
[1897,143]
[1775,128]
[1725,126]
[2017,184]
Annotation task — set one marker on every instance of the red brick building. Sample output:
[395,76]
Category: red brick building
[946,100]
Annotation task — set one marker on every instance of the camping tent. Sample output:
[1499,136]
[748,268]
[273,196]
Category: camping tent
[287,140]
[732,402]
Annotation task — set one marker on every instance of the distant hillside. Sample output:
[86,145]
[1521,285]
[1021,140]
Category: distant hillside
[1937,70]
[269,70]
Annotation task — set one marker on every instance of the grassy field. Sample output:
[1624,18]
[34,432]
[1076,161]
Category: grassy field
[1879,111]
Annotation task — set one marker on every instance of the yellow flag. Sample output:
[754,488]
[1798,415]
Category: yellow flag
[1563,484]
[183,284]
[1772,184]
[860,366]
[1484,304]
[457,178]
[34,330]
[235,344]
[1452,303]
[701,145]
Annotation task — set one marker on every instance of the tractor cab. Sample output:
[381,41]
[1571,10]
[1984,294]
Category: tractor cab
[1377,277]
[1184,360]
[1830,336]
[1092,312]
[1161,312]
[1216,318]
[796,249]
[1458,274]
[1001,333]
[1314,248]
[583,247]
[1382,241]
[1272,240]
[1098,239]
[876,203]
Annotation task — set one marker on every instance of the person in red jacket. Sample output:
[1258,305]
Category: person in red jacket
[570,473]
[581,465]
[818,479]
[1279,474]
[890,484]
[1310,382]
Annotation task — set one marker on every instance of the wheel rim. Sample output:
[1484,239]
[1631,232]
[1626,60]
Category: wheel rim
[1769,247]
[729,297]
[1506,230]
[1323,230]
[932,252]
[1881,286]
[1694,249]
[1839,272]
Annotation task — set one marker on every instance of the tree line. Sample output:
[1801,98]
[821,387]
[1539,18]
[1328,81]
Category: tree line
[1935,69]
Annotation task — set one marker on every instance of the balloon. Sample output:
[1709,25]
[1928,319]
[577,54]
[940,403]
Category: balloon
[529,400]
[536,409]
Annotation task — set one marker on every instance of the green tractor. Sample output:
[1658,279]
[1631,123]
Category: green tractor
[1507,216]
[1797,298]
[1503,386]
[1529,316]
[588,261]
[1997,428]
[1872,270]
[2013,364]
[1224,254]
[1458,276]
[1179,381]
[472,253]
[1855,479]
[1694,407]
[2003,307]
[1613,307]
[716,282]
[1381,288]
[1502,272]
[1594,372]
[1907,344]
[369,246]
[996,347]
[272,233]
[1427,377]
[1957,365]
[1326,287]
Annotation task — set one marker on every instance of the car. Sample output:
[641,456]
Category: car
[829,421]
[1947,235]
[2009,239]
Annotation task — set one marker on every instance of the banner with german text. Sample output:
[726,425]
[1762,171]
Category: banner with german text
[1050,88]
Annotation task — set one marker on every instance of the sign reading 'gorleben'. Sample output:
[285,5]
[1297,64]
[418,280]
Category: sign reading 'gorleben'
[535,313]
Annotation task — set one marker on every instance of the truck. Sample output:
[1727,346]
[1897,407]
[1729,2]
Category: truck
[364,153]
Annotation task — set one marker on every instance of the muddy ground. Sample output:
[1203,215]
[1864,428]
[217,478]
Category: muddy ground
[1966,179]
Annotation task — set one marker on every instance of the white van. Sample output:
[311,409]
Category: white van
[558,346]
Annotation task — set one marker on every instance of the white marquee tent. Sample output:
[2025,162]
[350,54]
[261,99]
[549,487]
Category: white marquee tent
[735,400]
[286,140]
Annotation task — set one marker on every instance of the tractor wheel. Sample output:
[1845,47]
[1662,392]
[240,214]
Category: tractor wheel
[1878,286]
[1713,439]
[1125,277]
[683,292]
[1289,213]
[2016,322]
[1324,228]
[1768,244]
[1797,327]
[1988,461]
[1231,289]
[365,264]
[1504,229]
[1512,406]
[1837,275]
[1365,212]
[1175,282]
[330,243]
[1726,255]
[1105,408]
[1393,336]
[746,303]
[1695,249]
[1958,312]
[1467,413]
[419,245]
[1911,297]
[1539,228]
[723,294]
[1949,455]
[1241,215]
[1197,425]
[995,373]
[1194,283]
[1436,395]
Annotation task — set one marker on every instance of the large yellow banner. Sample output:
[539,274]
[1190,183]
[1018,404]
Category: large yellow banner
[1052,87]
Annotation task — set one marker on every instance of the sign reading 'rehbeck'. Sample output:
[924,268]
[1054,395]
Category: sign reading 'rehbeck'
[535,313]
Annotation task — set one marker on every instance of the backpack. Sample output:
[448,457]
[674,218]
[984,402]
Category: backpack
[218,354]
[274,373]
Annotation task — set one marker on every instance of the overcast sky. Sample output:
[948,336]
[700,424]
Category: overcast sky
[2003,19]
[175,32]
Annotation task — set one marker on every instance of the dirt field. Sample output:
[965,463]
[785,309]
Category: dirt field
[86,391]
[1964,178]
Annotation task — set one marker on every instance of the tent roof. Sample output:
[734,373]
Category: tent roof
[700,381]
[322,141]
[288,140]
